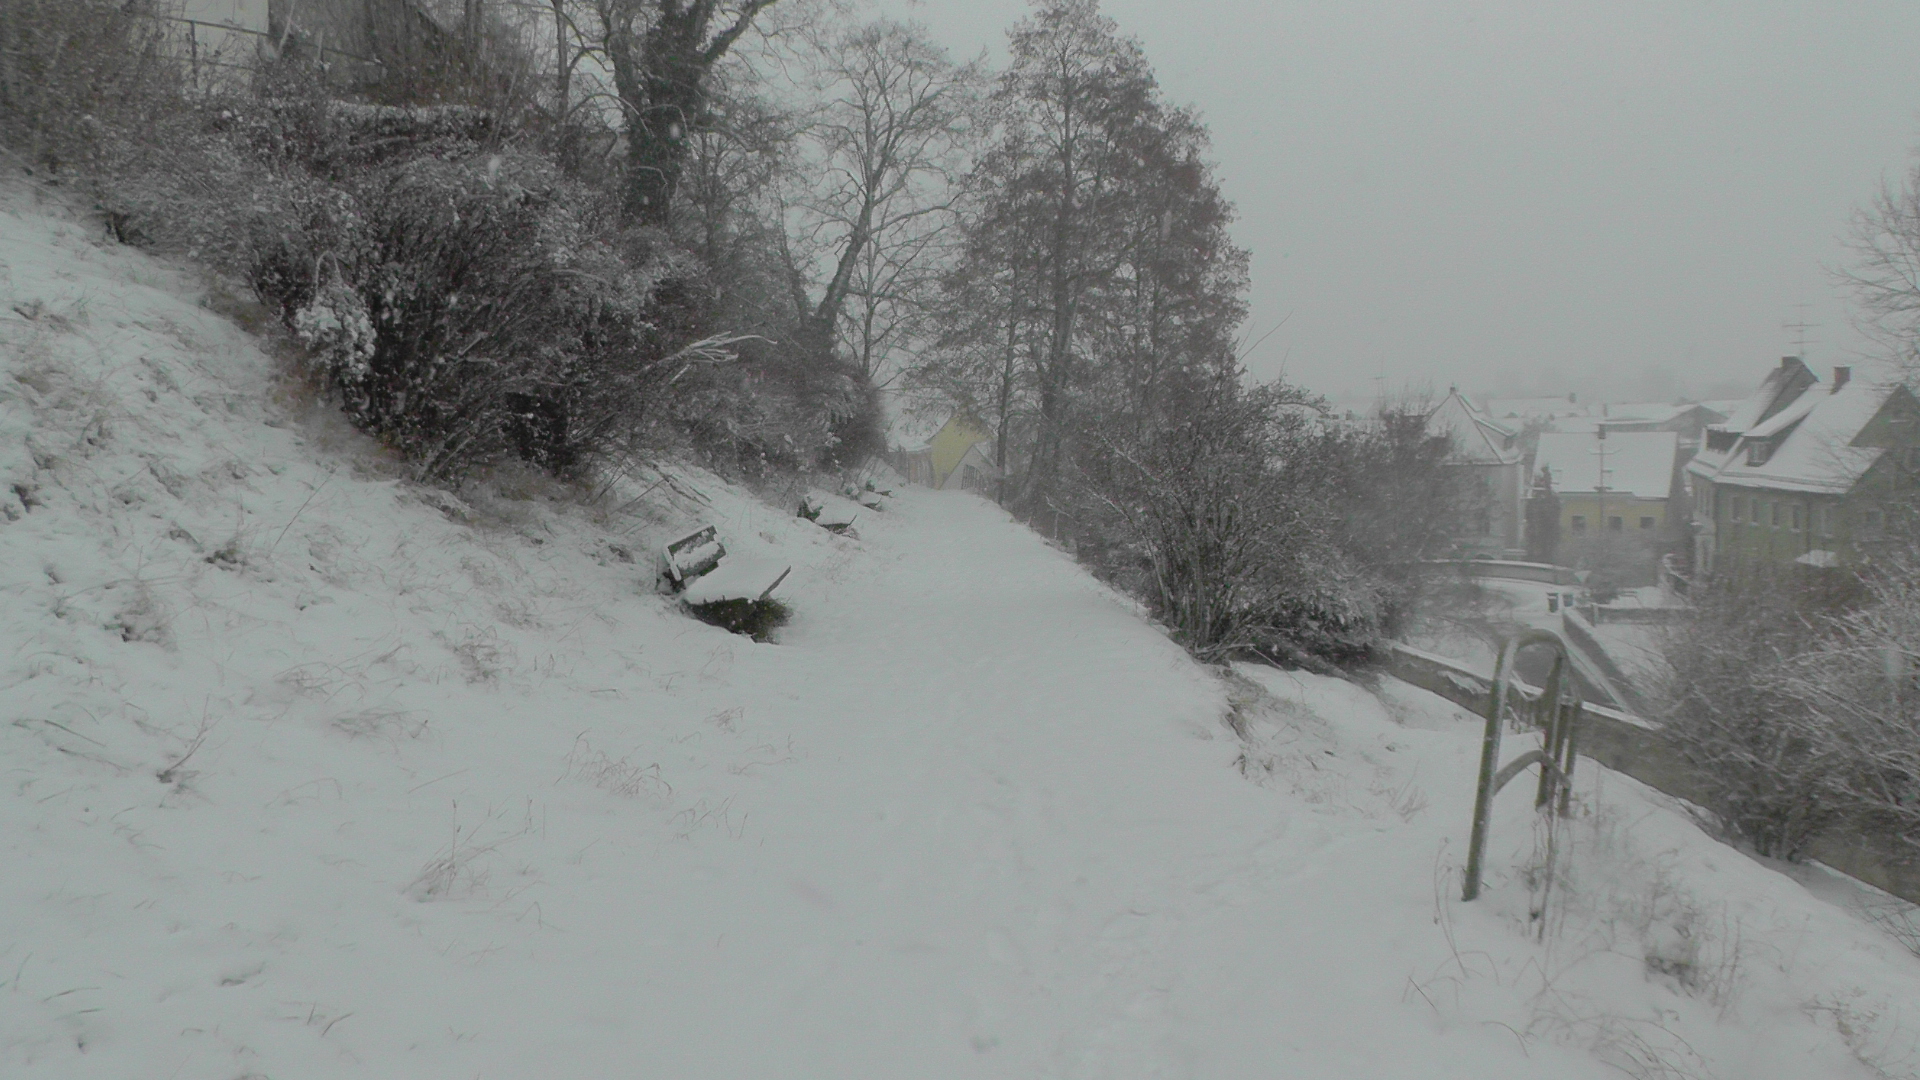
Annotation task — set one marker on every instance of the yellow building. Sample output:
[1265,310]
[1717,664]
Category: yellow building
[958,456]
[1611,481]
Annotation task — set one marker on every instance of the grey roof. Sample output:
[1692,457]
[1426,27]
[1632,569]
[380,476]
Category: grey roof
[1815,452]
[1476,439]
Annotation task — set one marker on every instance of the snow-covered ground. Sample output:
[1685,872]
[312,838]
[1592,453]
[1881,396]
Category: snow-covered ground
[312,772]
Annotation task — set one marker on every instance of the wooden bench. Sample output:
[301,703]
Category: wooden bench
[697,567]
[829,511]
[692,555]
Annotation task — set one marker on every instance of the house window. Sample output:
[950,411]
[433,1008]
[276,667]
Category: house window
[1734,506]
[1614,524]
[1794,522]
[1872,521]
[1761,512]
[1579,523]
[1646,523]
[1823,519]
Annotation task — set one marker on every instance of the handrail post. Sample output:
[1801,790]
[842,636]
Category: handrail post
[1489,761]
[1558,710]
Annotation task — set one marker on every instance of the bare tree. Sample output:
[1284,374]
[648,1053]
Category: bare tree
[892,146]
[1885,274]
[1073,105]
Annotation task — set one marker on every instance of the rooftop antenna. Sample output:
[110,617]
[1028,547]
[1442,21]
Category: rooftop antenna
[1799,327]
[1600,487]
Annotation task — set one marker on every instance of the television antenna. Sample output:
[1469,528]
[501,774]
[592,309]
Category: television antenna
[1799,328]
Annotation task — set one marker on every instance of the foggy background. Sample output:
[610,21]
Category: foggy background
[1628,199]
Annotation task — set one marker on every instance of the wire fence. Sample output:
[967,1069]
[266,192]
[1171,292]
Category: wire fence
[211,56]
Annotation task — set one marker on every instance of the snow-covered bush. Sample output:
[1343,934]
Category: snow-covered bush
[1251,525]
[1770,767]
[465,306]
[1862,683]
[335,326]
[1797,700]
[1221,520]
[467,299]
[754,618]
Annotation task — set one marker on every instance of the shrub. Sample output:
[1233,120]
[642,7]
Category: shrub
[1223,521]
[757,619]
[1769,767]
[1862,683]
[463,304]
[74,73]
[467,300]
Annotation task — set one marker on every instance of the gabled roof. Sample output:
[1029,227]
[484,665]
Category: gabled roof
[1477,440]
[1815,444]
[1782,386]
[1778,390]
[1638,463]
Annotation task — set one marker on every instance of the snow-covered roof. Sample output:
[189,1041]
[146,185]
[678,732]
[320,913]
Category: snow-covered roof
[1476,439]
[1815,436]
[1585,425]
[1644,410]
[1775,392]
[1785,418]
[1533,408]
[1639,463]
[1656,412]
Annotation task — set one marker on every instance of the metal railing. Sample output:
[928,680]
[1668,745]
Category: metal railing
[1556,711]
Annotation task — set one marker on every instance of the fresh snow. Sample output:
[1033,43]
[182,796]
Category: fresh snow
[737,578]
[310,771]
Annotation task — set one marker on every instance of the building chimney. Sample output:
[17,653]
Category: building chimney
[1789,361]
[1840,377]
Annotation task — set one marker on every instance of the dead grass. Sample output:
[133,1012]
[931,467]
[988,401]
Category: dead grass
[619,776]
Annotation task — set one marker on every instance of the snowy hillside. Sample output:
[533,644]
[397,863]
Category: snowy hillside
[313,772]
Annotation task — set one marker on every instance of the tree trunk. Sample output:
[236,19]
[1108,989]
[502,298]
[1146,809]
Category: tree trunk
[662,84]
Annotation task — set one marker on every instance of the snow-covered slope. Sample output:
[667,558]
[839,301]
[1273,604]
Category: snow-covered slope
[312,772]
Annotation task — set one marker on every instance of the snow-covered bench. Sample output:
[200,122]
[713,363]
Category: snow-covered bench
[829,511]
[692,555]
[724,589]
[868,496]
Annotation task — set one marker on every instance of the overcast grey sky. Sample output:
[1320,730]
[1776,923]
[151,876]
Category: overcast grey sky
[1529,195]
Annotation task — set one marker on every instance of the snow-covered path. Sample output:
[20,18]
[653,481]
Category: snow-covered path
[308,771]
[1010,840]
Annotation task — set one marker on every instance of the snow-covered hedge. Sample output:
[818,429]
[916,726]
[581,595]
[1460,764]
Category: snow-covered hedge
[467,310]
